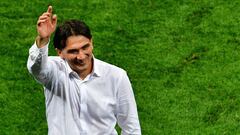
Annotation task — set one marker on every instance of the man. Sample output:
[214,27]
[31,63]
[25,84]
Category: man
[84,96]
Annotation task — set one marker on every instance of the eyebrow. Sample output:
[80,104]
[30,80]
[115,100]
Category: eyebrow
[76,50]
[85,46]
[72,50]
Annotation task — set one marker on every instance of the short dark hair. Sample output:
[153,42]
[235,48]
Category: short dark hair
[67,29]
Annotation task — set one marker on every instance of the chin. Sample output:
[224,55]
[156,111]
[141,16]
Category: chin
[81,68]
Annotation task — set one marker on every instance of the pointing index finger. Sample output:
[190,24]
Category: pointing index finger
[49,9]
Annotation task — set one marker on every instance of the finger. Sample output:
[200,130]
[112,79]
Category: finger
[46,14]
[49,9]
[43,17]
[54,19]
[40,22]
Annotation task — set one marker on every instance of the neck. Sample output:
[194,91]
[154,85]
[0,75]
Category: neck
[83,74]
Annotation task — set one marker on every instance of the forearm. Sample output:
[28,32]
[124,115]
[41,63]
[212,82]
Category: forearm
[37,61]
[127,114]
[128,119]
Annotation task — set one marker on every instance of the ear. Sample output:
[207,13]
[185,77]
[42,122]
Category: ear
[91,42]
[59,52]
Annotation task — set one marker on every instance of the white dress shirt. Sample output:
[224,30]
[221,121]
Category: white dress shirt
[91,106]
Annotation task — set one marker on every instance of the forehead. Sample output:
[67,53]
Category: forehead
[77,41]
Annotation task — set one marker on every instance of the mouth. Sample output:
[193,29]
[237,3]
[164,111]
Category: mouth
[79,63]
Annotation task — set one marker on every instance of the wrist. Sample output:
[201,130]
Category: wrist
[41,42]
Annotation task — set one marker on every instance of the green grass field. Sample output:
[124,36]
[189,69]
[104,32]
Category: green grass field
[182,57]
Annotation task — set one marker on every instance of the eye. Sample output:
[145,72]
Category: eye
[85,46]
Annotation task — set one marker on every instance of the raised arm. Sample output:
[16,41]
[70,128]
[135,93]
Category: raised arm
[38,64]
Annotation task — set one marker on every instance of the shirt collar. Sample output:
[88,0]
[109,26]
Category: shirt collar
[96,67]
[95,71]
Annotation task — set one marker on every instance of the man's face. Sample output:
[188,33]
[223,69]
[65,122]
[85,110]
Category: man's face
[78,53]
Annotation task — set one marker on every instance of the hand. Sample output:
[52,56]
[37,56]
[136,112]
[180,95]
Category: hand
[46,24]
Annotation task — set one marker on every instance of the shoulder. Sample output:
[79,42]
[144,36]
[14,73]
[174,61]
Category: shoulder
[57,61]
[108,69]
[55,58]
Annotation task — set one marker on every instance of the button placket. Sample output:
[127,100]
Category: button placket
[80,90]
[83,103]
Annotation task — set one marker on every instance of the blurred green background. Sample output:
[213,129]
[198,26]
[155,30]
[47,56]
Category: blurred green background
[182,57]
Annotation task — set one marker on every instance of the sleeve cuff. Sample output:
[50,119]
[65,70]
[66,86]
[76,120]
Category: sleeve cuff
[42,49]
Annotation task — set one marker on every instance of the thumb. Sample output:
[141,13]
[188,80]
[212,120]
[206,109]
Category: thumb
[54,20]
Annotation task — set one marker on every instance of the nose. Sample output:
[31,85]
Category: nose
[80,55]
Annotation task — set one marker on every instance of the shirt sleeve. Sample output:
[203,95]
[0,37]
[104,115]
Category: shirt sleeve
[127,115]
[38,65]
